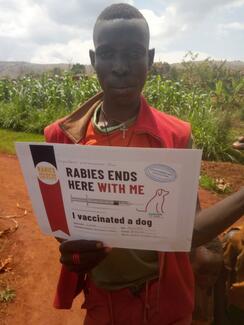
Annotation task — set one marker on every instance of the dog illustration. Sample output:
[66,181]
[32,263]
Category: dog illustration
[156,203]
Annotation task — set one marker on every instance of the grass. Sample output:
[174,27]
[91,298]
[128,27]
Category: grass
[8,137]
[7,295]
[215,185]
[237,129]
[207,183]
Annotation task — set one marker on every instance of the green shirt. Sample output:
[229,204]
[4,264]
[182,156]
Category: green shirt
[126,268]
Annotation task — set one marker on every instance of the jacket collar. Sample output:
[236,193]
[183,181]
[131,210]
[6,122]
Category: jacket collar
[75,124]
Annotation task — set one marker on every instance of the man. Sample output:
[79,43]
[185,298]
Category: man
[129,286]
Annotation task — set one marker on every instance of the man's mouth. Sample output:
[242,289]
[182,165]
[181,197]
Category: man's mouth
[122,90]
[122,87]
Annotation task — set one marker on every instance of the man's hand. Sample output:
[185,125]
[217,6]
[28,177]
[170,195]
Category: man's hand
[82,255]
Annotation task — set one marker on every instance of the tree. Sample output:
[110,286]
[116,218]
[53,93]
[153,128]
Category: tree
[78,68]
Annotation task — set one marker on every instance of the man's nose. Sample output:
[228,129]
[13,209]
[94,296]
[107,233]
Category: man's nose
[120,65]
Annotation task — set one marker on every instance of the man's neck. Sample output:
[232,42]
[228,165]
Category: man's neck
[119,112]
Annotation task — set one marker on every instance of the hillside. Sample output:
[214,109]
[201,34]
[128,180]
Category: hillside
[14,70]
[232,65]
[19,69]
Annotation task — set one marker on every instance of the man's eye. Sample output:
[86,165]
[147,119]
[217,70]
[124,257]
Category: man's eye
[106,55]
[135,54]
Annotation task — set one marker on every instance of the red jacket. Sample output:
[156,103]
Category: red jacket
[166,131]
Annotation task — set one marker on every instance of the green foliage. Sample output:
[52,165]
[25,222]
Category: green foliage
[242,114]
[206,94]
[29,104]
[7,295]
[78,68]
[8,137]
[226,85]
[193,105]
[207,183]
[211,184]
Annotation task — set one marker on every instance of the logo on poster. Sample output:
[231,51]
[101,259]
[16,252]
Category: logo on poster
[161,173]
[46,173]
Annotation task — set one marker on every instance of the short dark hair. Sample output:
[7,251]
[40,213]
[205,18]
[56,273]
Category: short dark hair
[120,11]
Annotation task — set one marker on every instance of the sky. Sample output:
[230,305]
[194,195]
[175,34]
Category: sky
[51,31]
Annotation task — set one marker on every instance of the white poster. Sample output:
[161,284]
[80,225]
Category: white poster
[141,198]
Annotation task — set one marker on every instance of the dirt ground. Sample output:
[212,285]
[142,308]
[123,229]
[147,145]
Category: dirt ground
[35,257]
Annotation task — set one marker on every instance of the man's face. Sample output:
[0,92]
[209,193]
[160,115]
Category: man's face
[121,58]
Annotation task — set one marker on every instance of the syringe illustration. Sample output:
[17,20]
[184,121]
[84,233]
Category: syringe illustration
[99,201]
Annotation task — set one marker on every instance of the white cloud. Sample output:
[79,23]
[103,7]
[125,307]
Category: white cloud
[236,26]
[195,11]
[13,19]
[163,25]
[236,4]
[30,22]
[72,52]
[48,31]
[199,8]
[76,12]
[164,29]
[194,25]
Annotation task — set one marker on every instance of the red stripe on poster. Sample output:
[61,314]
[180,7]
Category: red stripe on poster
[53,201]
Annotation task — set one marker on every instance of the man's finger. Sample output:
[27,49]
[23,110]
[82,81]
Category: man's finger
[85,259]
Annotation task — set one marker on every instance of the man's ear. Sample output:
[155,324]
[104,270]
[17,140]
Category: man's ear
[151,54]
[92,57]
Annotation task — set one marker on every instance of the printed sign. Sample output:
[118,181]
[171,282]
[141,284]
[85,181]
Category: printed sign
[141,198]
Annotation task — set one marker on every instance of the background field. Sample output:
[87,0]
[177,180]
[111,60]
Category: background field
[208,94]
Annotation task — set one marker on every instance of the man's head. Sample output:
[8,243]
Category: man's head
[122,57]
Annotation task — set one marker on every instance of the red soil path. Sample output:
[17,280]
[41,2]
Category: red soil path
[35,263]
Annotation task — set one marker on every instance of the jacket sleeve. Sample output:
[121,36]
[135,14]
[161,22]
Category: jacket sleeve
[70,284]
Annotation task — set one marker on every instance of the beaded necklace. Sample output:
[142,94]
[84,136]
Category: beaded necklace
[103,126]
